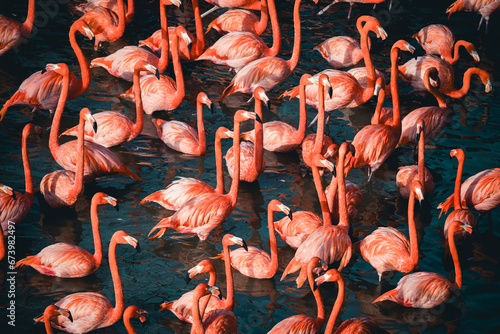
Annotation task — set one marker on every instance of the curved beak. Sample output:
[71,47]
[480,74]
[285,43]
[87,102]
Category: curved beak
[187,278]
[257,117]
[138,247]
[245,245]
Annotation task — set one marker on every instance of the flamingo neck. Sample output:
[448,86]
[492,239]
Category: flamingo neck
[96,234]
[434,91]
[117,32]
[233,191]
[129,16]
[128,324]
[117,311]
[275,49]
[456,53]
[202,142]
[28,178]
[273,243]
[454,255]
[139,109]
[78,185]
[412,230]
[293,61]
[229,302]
[330,197]
[325,211]
[458,184]
[320,130]
[301,132]
[218,164]
[396,116]
[179,77]
[378,109]
[199,46]
[259,138]
[370,69]
[46,320]
[264,17]
[320,318]
[84,83]
[343,216]
[458,93]
[421,160]
[197,327]
[336,308]
[30,19]
[56,121]
[164,45]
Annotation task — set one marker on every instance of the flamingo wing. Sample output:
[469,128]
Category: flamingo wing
[220,321]
[179,136]
[297,324]
[252,263]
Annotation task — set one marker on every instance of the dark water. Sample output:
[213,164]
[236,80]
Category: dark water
[157,273]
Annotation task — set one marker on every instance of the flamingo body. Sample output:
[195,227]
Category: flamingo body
[360,325]
[56,187]
[340,51]
[278,137]
[464,216]
[354,198]
[252,263]
[437,39]
[154,43]
[407,174]
[182,307]
[236,20]
[295,231]
[13,209]
[248,172]
[413,71]
[179,136]
[220,321]
[435,118]
[297,324]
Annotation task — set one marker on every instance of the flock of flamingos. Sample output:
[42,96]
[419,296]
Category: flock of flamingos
[319,240]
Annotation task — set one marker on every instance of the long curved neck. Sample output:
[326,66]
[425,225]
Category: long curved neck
[117,283]
[179,77]
[292,62]
[30,19]
[320,318]
[325,211]
[275,49]
[370,69]
[259,138]
[128,324]
[320,130]
[96,234]
[378,109]
[84,83]
[273,243]
[434,91]
[301,131]
[458,93]
[412,230]
[396,116]
[163,62]
[46,320]
[129,16]
[343,215]
[118,31]
[458,184]
[336,308]
[264,17]
[139,109]
[454,255]
[219,188]
[28,178]
[233,191]
[56,121]
[421,160]
[197,327]
[201,127]
[456,53]
[78,185]
[229,302]
[200,36]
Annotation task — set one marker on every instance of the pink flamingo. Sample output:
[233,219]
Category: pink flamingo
[134,312]
[42,89]
[328,242]
[267,72]
[350,326]
[98,159]
[222,324]
[65,260]
[107,25]
[12,33]
[425,289]
[257,263]
[387,249]
[181,136]
[247,4]
[439,39]
[163,94]
[252,163]
[202,214]
[14,206]
[483,7]
[241,20]
[182,307]
[111,5]
[52,311]
[407,174]
[183,189]
[340,51]
[63,187]
[351,3]
[237,49]
[462,215]
[303,324]
[92,310]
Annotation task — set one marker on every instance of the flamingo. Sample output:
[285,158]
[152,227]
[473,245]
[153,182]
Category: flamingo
[439,39]
[267,72]
[247,4]
[387,249]
[42,89]
[183,189]
[52,311]
[426,289]
[340,51]
[328,242]
[134,312]
[163,94]
[252,163]
[114,127]
[460,214]
[65,260]
[107,25]
[237,49]
[224,326]
[483,7]
[407,174]
[303,324]
[257,263]
[203,213]
[92,310]
[12,33]
[181,136]
[98,160]
[353,325]
[109,4]
[63,187]
[182,307]
[241,20]
[14,206]
[351,3]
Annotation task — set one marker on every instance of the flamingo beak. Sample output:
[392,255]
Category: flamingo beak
[138,247]
[117,208]
[181,7]
[157,74]
[488,88]
[467,228]
[417,136]
[257,117]
[143,318]
[244,245]
[475,55]
[70,317]
[330,92]
[377,89]
[187,278]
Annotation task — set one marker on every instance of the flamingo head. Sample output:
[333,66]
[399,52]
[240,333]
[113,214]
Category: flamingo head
[6,189]
[242,115]
[182,33]
[373,25]
[224,133]
[456,226]
[232,240]
[84,29]
[458,153]
[260,95]
[331,275]
[204,266]
[122,237]
[403,45]
[60,68]
[305,79]
[203,98]
[420,129]
[277,205]
[86,116]
[471,49]
[417,188]
[54,311]
[177,3]
[485,79]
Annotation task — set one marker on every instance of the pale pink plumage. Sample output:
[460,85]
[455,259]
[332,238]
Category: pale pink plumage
[340,51]
[296,230]
[109,4]
[240,20]
[12,33]
[107,25]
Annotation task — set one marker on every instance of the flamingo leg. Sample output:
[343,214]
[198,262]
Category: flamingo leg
[390,5]
[370,173]
[486,30]
[321,12]
[480,21]
[350,11]
[214,8]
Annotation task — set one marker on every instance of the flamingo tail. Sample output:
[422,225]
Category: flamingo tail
[220,256]
[302,277]
[291,93]
[28,261]
[292,267]
[158,197]
[163,226]
[389,295]
[101,62]
[446,205]
[228,91]
[455,7]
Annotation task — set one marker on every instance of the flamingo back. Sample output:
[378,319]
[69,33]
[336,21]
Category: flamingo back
[252,263]
[295,231]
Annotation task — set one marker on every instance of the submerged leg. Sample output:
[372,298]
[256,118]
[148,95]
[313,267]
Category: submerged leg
[321,12]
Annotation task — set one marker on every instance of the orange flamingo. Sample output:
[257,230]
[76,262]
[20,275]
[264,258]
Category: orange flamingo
[267,72]
[483,7]
[353,325]
[252,163]
[14,206]
[387,249]
[65,260]
[134,312]
[237,49]
[328,242]
[63,187]
[111,5]
[426,289]
[257,263]
[52,311]
[98,159]
[181,136]
[462,215]
[183,189]
[241,20]
[182,307]
[42,89]
[114,127]
[407,174]
[12,33]
[303,324]
[92,310]
[202,214]
[107,25]
[351,3]
[439,39]
[163,94]
[340,51]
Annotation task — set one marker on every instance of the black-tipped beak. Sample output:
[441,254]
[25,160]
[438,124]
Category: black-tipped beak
[417,137]
[245,245]
[257,117]
[117,208]
[138,247]
[146,321]
[268,105]
[181,7]
[44,70]
[334,171]
[290,215]
[40,135]
[211,108]
[94,126]
[187,278]
[190,46]
[70,317]
[13,195]
[157,74]
[353,150]
[315,287]
[330,92]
